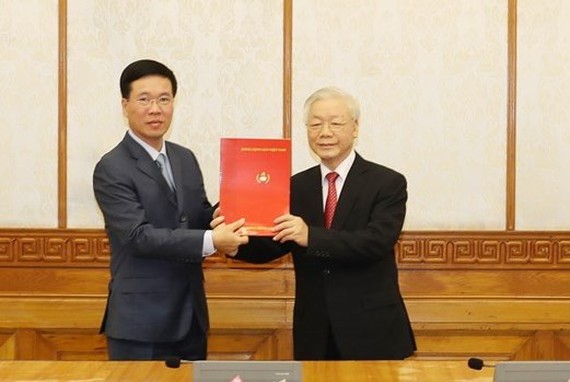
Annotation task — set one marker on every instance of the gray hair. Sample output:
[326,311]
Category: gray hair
[328,93]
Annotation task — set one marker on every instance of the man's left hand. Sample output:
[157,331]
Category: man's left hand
[291,228]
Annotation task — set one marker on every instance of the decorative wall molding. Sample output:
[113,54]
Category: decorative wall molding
[485,249]
[416,249]
[53,247]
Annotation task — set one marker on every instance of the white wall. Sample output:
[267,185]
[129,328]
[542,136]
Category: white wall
[543,115]
[28,113]
[431,77]
[227,56]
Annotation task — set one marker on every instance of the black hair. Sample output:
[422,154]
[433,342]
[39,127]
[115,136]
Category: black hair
[144,68]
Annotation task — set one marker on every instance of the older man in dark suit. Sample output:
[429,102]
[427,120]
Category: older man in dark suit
[346,216]
[157,218]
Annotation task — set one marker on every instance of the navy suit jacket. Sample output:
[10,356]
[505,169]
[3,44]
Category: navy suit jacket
[347,278]
[156,238]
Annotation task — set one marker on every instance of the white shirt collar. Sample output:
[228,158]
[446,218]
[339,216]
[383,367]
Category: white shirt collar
[342,169]
[149,149]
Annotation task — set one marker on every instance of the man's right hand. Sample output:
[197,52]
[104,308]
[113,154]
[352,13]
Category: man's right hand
[228,237]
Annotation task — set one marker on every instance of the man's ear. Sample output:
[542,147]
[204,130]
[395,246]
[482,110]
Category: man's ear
[124,106]
[355,132]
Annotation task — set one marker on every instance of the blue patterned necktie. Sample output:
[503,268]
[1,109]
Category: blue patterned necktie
[161,162]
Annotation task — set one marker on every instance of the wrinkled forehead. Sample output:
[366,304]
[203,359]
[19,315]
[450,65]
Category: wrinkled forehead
[329,108]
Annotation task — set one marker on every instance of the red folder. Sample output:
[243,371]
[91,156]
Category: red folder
[254,181]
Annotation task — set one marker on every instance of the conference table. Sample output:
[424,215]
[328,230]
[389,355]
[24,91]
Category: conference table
[313,371]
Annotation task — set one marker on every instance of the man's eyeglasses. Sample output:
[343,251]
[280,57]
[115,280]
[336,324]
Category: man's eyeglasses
[161,101]
[333,126]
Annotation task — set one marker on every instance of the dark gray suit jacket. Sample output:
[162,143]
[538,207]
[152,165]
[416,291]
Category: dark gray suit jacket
[347,276]
[156,238]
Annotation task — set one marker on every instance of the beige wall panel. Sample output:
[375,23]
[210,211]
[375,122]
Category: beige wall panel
[28,74]
[431,78]
[227,56]
[543,115]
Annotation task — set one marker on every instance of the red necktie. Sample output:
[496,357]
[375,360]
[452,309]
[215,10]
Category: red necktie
[330,204]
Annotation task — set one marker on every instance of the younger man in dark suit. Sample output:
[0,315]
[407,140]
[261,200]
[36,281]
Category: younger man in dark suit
[341,233]
[156,215]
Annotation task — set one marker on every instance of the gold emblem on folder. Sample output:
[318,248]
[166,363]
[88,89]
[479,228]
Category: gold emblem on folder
[263,177]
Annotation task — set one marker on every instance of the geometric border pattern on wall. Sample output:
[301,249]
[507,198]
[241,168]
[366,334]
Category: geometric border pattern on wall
[54,247]
[415,249]
[481,250]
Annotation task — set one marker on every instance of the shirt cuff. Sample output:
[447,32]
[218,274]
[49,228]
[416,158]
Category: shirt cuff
[208,246]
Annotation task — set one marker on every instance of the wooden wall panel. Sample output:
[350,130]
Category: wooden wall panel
[445,329]
[461,303]
[489,344]
[71,345]
[448,335]
[494,283]
[452,344]
[53,281]
[7,345]
[545,344]
[226,344]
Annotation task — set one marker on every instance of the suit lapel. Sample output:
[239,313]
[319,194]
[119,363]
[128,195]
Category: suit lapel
[355,181]
[147,166]
[315,204]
